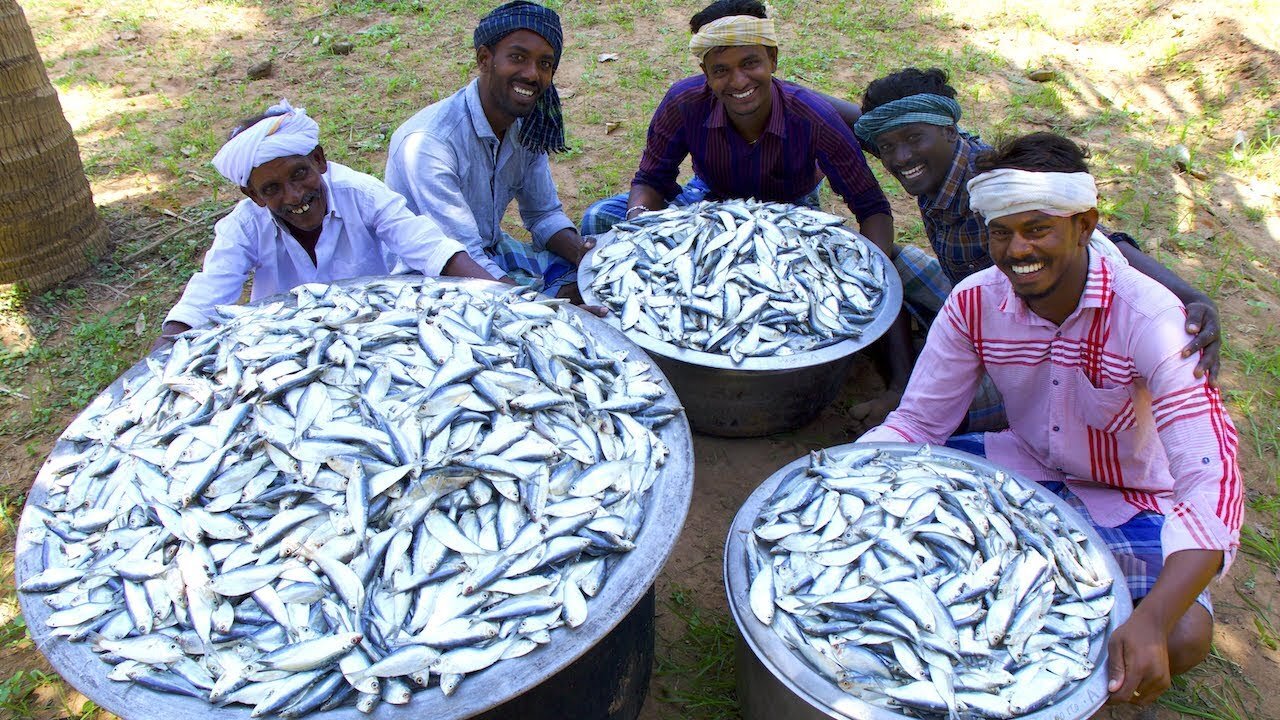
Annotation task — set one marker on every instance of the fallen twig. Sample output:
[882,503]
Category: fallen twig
[202,221]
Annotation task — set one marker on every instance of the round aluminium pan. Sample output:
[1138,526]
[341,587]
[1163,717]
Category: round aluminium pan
[780,678]
[627,586]
[760,395]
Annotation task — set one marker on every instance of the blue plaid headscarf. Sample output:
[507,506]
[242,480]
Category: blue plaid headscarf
[543,130]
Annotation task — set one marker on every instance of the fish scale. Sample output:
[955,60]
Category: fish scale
[784,271]
[891,622]
[389,499]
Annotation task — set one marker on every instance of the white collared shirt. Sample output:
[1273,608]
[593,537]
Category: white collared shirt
[367,222]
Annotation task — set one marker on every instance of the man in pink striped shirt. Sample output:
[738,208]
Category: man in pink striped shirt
[1102,406]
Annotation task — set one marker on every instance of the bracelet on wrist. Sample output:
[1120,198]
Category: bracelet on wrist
[633,208]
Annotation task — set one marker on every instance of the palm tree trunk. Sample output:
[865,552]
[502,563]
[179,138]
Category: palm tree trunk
[49,227]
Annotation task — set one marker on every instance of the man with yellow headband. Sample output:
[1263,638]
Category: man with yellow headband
[752,135]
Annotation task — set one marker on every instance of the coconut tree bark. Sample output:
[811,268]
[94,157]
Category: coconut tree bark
[49,227]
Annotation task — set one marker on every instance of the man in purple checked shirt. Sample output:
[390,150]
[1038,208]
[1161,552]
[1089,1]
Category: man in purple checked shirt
[752,135]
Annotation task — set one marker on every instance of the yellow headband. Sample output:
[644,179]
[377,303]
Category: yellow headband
[733,31]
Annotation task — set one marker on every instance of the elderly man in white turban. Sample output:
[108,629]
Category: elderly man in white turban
[1103,408]
[304,219]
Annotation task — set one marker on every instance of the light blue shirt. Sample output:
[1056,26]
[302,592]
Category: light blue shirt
[366,223]
[450,166]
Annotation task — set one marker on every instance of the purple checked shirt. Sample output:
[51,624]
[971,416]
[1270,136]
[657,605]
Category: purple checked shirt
[804,140]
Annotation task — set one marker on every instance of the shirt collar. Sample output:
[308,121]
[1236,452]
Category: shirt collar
[953,192]
[476,110]
[777,124]
[1098,291]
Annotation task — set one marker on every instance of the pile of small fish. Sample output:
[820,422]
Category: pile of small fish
[389,483]
[924,585]
[740,278]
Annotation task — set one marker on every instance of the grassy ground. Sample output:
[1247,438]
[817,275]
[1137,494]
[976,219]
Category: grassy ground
[1177,100]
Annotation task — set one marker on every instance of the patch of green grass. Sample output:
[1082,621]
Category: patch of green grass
[14,632]
[375,34]
[1215,690]
[1041,96]
[98,346]
[1261,542]
[17,693]
[1267,633]
[698,664]
[1254,214]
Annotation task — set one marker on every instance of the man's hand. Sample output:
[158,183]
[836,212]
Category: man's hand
[569,245]
[1138,661]
[463,265]
[1202,322]
[574,295]
[162,342]
[584,247]
[167,333]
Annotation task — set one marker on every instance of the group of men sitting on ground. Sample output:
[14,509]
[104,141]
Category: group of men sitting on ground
[1066,344]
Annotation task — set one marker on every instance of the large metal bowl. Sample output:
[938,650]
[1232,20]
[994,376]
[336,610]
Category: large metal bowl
[628,584]
[774,681]
[760,395]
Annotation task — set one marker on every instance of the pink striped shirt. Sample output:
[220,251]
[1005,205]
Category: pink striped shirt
[1103,402]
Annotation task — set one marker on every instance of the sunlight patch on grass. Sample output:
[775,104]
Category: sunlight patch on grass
[109,23]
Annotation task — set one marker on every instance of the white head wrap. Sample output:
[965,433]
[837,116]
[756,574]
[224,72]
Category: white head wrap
[733,31]
[1009,191]
[292,133]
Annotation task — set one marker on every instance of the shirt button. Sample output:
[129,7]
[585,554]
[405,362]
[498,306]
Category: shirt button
[1059,468]
[1204,461]
[1058,334]
[1055,382]
[1055,428]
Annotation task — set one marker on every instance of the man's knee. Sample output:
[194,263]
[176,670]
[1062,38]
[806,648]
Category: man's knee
[603,214]
[1190,641]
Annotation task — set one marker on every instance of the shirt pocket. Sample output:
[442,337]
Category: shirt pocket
[1109,409]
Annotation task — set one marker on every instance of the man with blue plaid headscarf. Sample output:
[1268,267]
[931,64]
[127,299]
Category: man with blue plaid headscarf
[464,159]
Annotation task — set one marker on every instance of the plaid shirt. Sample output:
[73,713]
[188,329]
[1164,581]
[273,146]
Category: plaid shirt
[958,236]
[1104,402]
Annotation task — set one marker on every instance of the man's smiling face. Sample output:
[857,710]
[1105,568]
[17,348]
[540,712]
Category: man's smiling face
[919,155]
[514,74]
[1044,257]
[292,188]
[741,78]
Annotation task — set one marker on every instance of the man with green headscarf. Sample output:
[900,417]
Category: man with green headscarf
[910,122]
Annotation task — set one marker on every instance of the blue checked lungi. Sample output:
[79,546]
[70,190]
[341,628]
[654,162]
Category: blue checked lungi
[925,288]
[543,270]
[604,214]
[1135,543]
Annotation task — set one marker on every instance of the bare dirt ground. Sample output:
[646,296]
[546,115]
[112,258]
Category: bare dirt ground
[149,86]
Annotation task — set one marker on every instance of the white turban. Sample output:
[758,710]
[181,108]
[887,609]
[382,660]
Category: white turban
[1009,191]
[733,31]
[277,136]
